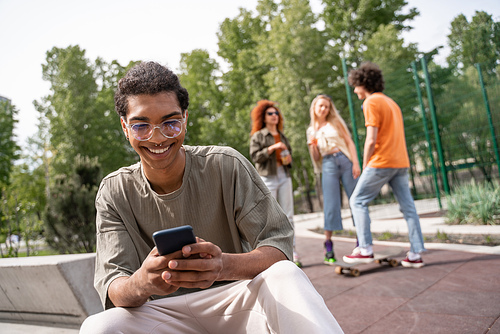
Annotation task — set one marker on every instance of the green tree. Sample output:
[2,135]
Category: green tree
[198,76]
[106,134]
[80,110]
[243,84]
[8,154]
[38,149]
[350,26]
[23,201]
[464,126]
[301,68]
[69,106]
[8,146]
[8,226]
[25,196]
[351,23]
[283,53]
[474,42]
[69,216]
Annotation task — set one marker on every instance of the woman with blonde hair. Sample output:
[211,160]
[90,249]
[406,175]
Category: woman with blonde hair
[272,155]
[334,155]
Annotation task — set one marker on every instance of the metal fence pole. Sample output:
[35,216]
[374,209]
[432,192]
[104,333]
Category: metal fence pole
[426,131]
[351,112]
[435,126]
[488,113]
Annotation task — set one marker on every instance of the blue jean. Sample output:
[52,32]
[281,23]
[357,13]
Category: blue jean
[369,185]
[336,167]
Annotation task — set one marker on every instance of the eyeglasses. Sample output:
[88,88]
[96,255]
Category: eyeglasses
[144,131]
[270,113]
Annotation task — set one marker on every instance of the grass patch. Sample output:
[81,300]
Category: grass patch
[43,252]
[385,236]
[343,233]
[442,236]
[477,204]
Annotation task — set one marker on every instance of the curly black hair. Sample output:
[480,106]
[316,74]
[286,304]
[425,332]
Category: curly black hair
[369,76]
[148,78]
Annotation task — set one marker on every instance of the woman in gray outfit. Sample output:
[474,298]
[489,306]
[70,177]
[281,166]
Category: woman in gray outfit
[272,155]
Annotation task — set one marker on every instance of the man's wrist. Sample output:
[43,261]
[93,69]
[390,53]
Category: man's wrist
[124,292]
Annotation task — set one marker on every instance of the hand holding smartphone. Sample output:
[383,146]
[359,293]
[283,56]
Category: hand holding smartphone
[173,239]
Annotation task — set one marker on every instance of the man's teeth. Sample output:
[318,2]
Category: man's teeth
[159,150]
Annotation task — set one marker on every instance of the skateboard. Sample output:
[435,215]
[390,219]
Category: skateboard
[380,257]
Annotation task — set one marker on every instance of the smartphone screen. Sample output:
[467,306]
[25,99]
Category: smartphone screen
[173,239]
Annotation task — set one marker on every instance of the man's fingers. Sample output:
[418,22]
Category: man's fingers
[202,249]
[202,264]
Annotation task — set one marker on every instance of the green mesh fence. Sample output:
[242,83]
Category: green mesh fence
[452,124]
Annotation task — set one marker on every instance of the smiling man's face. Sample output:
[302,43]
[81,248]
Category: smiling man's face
[158,152]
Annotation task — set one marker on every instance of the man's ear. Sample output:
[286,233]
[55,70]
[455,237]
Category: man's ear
[186,114]
[124,126]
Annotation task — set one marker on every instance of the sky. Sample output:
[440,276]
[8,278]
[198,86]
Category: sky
[159,30]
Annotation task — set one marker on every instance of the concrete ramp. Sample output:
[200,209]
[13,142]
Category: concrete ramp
[48,289]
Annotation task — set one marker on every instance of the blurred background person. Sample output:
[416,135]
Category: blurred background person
[385,161]
[271,153]
[334,155]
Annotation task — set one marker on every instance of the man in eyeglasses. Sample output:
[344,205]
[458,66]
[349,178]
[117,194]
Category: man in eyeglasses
[237,277]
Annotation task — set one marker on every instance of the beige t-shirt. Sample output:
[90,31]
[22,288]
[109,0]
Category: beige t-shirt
[329,139]
[221,196]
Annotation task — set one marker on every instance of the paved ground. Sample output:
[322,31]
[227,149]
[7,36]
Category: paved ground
[458,290]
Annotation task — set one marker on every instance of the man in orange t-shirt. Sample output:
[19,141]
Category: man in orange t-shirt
[385,160]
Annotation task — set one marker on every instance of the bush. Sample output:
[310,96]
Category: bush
[69,216]
[475,204]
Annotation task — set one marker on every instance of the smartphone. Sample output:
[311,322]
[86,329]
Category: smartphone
[173,239]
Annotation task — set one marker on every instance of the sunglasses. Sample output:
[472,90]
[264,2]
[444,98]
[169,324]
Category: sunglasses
[270,113]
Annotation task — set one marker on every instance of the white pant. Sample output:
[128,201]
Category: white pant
[281,299]
[281,188]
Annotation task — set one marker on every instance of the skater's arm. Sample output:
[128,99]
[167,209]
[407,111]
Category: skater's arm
[371,139]
[356,171]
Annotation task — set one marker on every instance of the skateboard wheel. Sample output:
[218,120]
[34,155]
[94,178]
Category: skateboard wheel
[378,261]
[394,263]
[338,270]
[355,272]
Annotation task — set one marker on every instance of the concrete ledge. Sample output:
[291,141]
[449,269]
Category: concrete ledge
[55,290]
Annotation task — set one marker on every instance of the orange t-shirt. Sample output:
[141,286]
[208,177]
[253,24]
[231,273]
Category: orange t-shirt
[390,147]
